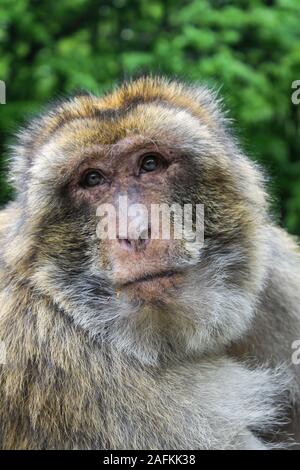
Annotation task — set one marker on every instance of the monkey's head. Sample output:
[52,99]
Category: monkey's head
[151,142]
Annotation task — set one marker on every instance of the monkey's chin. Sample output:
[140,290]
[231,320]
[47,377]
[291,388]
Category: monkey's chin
[158,288]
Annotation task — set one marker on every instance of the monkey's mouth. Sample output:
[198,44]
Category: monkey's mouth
[153,287]
[151,277]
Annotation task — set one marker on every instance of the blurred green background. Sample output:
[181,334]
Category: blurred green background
[251,49]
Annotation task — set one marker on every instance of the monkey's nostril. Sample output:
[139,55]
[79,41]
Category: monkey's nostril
[125,243]
[132,244]
[141,243]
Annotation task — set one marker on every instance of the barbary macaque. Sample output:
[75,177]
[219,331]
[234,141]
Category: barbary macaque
[138,342]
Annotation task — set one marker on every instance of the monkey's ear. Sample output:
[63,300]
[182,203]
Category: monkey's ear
[30,137]
[210,99]
[21,153]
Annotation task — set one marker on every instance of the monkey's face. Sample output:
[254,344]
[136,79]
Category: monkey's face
[115,200]
[128,188]
[146,292]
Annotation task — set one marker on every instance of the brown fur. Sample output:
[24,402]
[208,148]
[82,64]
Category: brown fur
[93,363]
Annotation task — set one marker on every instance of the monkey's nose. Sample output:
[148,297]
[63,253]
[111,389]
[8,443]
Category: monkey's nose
[134,243]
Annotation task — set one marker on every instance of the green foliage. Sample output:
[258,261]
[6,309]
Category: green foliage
[249,47]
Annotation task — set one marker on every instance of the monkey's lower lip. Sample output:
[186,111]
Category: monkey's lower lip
[150,277]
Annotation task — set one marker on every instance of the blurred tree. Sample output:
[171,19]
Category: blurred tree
[249,47]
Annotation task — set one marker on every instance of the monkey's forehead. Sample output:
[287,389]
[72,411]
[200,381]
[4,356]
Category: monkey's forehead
[147,125]
[150,110]
[197,100]
[153,121]
[128,108]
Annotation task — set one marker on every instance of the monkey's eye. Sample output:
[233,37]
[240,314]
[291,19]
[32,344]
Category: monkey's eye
[92,178]
[150,163]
